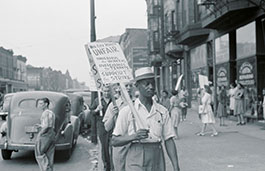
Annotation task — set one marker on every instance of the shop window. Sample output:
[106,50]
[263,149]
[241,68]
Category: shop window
[246,40]
[222,49]
[198,57]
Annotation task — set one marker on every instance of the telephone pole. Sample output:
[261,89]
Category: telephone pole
[94,93]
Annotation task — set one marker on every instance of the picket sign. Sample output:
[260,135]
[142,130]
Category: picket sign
[109,66]
[203,80]
[95,80]
[178,82]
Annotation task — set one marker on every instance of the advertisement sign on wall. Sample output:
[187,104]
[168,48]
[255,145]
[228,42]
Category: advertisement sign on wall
[222,75]
[247,72]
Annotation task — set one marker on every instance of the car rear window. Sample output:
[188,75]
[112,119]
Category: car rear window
[30,104]
[27,103]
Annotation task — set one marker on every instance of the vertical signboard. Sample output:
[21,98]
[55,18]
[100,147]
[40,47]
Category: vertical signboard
[246,70]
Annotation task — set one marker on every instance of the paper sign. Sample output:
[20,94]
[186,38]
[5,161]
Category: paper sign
[96,81]
[203,80]
[92,84]
[109,62]
[178,82]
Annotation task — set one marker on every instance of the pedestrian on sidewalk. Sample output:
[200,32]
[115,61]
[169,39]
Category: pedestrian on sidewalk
[221,110]
[207,118]
[104,136]
[175,111]
[145,137]
[231,95]
[165,101]
[239,104]
[118,154]
[183,94]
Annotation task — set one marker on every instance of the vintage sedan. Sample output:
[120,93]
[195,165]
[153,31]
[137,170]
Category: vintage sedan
[5,108]
[77,107]
[23,116]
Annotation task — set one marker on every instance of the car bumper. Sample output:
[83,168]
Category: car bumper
[6,146]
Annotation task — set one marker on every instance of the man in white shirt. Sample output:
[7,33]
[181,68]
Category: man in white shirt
[145,151]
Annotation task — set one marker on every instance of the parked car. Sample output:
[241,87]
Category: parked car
[87,102]
[24,115]
[5,107]
[77,108]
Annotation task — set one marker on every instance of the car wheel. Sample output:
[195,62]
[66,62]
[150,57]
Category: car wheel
[6,154]
[67,154]
[74,142]
[3,117]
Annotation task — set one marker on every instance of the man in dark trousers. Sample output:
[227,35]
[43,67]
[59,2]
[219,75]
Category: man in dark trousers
[101,132]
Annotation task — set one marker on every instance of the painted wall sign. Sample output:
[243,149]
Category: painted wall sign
[246,74]
[222,76]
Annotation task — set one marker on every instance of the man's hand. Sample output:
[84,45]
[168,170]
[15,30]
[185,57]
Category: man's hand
[115,111]
[100,107]
[141,134]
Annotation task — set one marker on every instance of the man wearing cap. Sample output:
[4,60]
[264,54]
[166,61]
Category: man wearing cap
[146,134]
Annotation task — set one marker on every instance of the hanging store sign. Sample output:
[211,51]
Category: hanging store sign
[246,74]
[222,76]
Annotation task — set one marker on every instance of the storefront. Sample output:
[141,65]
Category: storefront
[198,65]
[247,67]
[222,57]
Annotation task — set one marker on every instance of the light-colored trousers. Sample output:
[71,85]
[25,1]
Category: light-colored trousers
[45,161]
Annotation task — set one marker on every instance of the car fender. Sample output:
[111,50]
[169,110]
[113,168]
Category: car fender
[66,135]
[75,121]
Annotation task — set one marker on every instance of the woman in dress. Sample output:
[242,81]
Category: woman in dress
[221,110]
[231,95]
[207,118]
[239,104]
[175,111]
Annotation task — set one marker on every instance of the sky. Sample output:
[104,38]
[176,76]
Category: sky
[52,33]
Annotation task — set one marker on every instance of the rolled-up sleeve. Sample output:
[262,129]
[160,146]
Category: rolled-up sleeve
[122,123]
[168,130]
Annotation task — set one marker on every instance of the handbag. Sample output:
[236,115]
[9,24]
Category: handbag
[201,110]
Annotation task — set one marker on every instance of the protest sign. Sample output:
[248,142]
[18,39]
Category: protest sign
[97,82]
[178,82]
[110,66]
[110,62]
[203,80]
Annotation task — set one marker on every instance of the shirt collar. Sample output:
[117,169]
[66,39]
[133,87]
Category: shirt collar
[154,107]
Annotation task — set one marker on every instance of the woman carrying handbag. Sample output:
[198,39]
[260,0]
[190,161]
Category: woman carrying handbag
[207,116]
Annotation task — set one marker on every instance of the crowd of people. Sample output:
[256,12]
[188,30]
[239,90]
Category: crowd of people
[132,140]
[134,143]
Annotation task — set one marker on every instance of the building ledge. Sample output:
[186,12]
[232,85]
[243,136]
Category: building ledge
[173,50]
[224,15]
[192,33]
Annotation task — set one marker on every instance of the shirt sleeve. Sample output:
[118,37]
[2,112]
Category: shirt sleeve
[168,131]
[122,123]
[108,118]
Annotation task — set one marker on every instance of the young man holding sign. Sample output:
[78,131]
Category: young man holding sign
[145,151]
[103,135]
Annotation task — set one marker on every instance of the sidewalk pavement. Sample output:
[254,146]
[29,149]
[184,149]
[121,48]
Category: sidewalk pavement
[236,148]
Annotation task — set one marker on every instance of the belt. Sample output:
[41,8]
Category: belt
[146,142]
